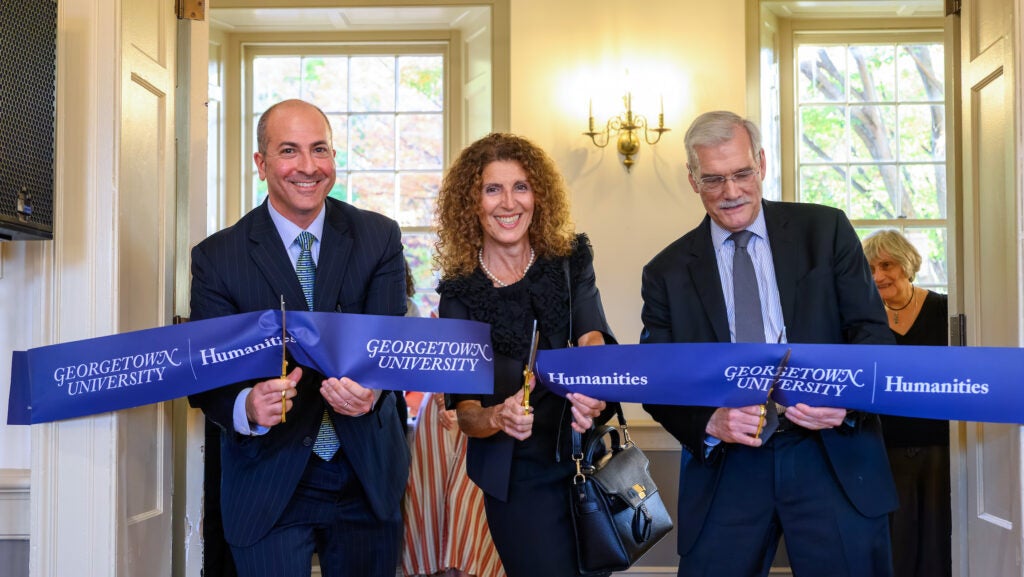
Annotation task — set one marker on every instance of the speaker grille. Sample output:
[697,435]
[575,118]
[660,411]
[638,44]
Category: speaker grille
[28,48]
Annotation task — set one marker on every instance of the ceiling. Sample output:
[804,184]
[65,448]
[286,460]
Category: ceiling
[242,20]
[831,9]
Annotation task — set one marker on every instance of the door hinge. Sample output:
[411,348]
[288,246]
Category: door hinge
[953,7]
[958,330]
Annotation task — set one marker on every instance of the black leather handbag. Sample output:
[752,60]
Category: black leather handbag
[617,511]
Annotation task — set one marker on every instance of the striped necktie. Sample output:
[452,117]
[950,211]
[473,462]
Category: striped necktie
[326,444]
[749,323]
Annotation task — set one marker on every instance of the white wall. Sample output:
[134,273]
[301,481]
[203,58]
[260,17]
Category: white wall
[563,52]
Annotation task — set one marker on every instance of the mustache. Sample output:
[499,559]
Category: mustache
[726,204]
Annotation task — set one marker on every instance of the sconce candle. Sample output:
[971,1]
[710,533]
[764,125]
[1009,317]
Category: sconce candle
[626,128]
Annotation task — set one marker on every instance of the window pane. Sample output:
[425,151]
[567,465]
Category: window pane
[873,132]
[340,188]
[374,191]
[869,198]
[418,193]
[325,82]
[339,138]
[823,185]
[418,255]
[420,141]
[823,134]
[373,84]
[373,142]
[274,79]
[931,243]
[420,86]
[924,191]
[822,76]
[872,73]
[923,132]
[259,192]
[922,75]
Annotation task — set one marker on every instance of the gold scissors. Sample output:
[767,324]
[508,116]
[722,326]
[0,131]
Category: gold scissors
[769,419]
[528,371]
[284,364]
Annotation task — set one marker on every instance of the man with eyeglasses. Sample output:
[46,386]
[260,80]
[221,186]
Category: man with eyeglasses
[763,271]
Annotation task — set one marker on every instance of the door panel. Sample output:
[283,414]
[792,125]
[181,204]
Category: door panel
[145,257]
[991,462]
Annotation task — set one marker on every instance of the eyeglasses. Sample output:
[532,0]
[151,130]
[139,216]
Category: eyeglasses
[716,183]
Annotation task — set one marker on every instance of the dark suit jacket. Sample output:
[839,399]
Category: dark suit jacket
[827,296]
[246,268]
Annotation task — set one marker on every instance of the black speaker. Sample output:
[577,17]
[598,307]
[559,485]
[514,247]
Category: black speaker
[28,75]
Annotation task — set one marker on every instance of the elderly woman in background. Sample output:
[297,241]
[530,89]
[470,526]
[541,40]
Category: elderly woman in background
[918,448]
[508,256]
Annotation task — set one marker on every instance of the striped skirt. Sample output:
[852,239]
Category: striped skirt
[445,524]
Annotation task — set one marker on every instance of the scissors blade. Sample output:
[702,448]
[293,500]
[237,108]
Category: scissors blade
[534,341]
[769,421]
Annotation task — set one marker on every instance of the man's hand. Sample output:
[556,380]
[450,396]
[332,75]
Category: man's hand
[347,397]
[263,405]
[736,425]
[815,418]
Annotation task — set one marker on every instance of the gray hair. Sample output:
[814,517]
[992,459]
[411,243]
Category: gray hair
[715,128]
[897,246]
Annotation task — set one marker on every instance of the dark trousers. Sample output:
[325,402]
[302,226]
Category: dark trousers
[922,526]
[533,531]
[786,487]
[328,514]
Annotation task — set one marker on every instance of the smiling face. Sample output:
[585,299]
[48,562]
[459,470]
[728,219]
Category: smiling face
[891,280]
[506,204]
[298,161]
[736,206]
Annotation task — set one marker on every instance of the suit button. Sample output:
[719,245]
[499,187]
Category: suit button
[307,441]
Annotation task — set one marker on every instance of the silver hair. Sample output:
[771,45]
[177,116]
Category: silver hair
[897,246]
[715,128]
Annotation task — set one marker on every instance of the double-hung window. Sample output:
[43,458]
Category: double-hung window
[388,112]
[870,134]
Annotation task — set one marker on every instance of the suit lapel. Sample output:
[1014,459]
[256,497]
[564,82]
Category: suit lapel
[705,277]
[783,243]
[270,256]
[335,250]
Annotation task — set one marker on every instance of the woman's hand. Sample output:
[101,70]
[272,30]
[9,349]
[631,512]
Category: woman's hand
[584,410]
[508,417]
[447,418]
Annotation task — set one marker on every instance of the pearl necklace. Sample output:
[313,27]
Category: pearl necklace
[895,310]
[496,280]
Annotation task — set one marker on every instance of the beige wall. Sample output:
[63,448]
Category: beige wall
[691,51]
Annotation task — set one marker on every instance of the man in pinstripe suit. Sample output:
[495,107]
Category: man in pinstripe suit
[283,495]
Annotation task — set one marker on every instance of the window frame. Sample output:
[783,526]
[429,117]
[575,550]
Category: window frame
[904,31]
[442,42]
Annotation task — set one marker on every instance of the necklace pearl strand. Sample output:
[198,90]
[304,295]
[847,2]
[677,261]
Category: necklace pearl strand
[496,280]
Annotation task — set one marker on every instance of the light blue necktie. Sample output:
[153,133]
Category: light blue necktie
[326,444]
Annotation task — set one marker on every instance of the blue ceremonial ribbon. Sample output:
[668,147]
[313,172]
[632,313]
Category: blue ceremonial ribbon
[150,366]
[953,383]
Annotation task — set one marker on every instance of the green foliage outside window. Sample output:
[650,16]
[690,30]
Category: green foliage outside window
[872,140]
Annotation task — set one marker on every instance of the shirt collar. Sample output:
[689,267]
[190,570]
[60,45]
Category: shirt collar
[288,230]
[719,235]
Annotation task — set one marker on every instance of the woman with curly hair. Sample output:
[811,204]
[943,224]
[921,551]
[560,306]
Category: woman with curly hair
[508,256]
